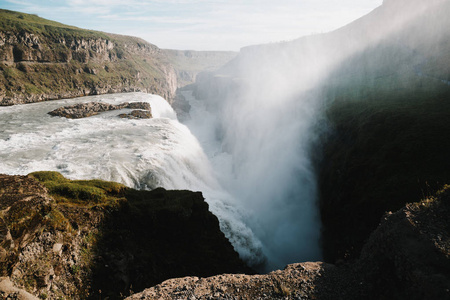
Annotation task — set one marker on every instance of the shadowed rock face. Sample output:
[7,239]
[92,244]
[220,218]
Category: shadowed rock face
[96,239]
[407,257]
[84,110]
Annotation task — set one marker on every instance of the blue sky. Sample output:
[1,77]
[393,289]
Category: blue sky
[201,24]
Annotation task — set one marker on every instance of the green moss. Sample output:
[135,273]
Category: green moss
[57,221]
[17,21]
[44,176]
[82,192]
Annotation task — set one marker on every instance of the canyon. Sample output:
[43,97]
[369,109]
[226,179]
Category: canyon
[330,147]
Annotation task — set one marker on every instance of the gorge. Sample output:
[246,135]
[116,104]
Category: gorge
[299,148]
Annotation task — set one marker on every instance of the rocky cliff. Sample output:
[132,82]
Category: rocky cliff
[44,60]
[63,239]
[406,257]
[95,239]
[388,139]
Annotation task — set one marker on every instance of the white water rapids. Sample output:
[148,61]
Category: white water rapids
[143,154]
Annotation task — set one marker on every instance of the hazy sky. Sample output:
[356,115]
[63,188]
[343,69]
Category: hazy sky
[201,24]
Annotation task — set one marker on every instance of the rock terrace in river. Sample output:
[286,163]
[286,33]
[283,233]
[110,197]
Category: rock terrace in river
[142,110]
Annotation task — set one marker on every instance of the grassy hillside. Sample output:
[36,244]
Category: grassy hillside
[17,21]
[44,60]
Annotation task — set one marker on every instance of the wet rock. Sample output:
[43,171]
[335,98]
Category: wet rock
[137,114]
[84,110]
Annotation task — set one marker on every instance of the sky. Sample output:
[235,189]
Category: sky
[201,24]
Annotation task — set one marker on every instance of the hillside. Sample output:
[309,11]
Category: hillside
[44,60]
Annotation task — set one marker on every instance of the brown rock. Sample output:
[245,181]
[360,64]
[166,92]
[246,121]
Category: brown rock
[137,114]
[84,110]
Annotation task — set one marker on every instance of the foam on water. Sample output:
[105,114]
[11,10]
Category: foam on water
[142,154]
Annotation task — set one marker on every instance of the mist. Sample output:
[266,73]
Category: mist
[260,118]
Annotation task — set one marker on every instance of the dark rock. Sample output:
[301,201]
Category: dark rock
[139,105]
[84,110]
[407,257]
[137,114]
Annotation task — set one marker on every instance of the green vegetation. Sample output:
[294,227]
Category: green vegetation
[81,192]
[17,21]
[145,236]
[63,61]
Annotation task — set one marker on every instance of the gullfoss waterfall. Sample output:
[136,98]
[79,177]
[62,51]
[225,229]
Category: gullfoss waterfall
[143,154]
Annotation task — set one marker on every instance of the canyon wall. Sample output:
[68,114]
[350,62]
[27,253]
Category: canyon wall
[45,60]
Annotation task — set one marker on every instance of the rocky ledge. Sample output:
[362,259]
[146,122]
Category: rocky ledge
[406,257]
[63,239]
[84,110]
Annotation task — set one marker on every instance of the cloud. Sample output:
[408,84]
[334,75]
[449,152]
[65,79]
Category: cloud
[183,24]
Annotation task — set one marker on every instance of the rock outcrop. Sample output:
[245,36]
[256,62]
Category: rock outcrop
[94,239]
[407,257]
[84,110]
[296,281]
[137,114]
[45,60]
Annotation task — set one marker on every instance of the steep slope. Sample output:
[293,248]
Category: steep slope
[95,239]
[44,60]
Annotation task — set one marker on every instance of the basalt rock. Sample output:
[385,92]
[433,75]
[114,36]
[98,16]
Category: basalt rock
[84,110]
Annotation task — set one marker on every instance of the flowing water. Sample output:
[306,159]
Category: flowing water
[143,154]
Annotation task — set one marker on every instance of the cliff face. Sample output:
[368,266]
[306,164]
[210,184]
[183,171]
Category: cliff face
[388,136]
[95,239]
[44,60]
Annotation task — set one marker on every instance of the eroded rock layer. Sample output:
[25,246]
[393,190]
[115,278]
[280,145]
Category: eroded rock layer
[45,60]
